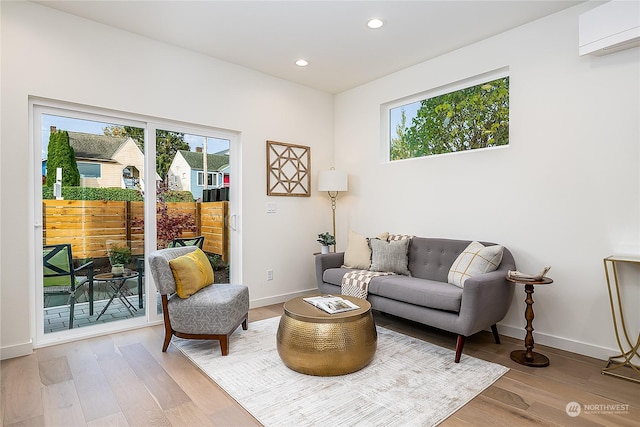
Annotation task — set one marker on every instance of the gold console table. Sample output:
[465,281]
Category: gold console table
[621,366]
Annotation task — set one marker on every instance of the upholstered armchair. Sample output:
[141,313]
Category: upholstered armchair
[209,311]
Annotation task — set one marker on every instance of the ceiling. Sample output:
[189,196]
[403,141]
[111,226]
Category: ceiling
[269,36]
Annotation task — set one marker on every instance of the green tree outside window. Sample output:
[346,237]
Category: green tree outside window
[61,155]
[467,119]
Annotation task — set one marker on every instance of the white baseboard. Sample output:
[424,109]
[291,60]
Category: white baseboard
[585,349]
[16,350]
[277,299]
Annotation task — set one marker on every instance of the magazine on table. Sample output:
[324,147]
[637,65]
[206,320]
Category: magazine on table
[516,275]
[331,304]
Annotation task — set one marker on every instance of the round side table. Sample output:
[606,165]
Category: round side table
[528,357]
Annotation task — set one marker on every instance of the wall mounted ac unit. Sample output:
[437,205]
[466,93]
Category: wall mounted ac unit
[610,27]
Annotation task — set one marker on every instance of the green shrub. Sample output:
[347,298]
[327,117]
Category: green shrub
[113,193]
[87,193]
[177,196]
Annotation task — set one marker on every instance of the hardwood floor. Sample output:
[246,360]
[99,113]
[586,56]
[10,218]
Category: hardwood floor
[125,380]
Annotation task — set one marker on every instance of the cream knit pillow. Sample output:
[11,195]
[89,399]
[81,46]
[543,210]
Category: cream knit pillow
[358,253]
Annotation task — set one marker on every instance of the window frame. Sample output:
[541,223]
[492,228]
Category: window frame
[80,162]
[39,106]
[214,180]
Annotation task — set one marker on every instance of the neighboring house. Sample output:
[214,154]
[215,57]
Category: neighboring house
[107,161]
[187,172]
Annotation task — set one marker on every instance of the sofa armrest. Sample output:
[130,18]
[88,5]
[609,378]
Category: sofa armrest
[485,300]
[326,261]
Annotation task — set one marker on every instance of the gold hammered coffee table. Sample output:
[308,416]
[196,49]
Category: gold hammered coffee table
[314,342]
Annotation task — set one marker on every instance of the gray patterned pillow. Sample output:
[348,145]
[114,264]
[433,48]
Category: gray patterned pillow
[390,256]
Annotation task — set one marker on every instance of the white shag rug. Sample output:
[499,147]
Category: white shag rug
[409,382]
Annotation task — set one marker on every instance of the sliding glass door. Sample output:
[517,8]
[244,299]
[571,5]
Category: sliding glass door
[91,201]
[108,190]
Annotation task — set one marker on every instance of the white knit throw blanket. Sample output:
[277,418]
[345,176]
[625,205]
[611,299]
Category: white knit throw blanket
[356,283]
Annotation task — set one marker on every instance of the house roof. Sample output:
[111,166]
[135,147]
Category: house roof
[214,161]
[94,147]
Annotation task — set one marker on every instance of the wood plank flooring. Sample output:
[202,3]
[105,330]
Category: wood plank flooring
[125,380]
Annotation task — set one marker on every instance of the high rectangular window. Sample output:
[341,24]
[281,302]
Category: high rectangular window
[472,117]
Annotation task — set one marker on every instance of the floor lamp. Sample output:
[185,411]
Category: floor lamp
[332,181]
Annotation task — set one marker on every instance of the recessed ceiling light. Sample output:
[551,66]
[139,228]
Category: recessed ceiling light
[301,63]
[375,23]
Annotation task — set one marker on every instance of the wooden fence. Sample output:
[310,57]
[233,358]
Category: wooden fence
[88,224]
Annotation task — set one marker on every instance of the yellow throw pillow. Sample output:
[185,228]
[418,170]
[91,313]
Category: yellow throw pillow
[191,272]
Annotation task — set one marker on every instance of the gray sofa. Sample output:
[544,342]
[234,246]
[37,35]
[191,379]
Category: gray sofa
[426,296]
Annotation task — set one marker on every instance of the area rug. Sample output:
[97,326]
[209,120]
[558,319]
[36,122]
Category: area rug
[410,382]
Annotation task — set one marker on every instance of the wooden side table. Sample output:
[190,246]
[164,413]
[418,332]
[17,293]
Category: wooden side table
[528,357]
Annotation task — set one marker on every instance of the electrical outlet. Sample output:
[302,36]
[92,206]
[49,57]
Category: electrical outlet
[271,208]
[269,274]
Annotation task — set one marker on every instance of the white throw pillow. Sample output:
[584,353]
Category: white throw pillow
[358,253]
[476,259]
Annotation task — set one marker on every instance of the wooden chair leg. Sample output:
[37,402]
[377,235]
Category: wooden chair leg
[496,337]
[224,344]
[167,339]
[459,345]
[168,331]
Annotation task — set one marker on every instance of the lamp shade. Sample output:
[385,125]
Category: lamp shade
[332,180]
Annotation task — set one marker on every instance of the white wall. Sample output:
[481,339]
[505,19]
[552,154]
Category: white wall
[572,166]
[54,55]
[565,193]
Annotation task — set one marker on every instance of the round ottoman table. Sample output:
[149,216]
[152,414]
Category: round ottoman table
[314,342]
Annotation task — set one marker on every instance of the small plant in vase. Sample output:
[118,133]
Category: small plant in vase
[326,240]
[119,255]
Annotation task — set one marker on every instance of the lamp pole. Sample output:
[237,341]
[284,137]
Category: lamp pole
[333,195]
[333,181]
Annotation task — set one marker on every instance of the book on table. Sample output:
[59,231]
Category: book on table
[331,304]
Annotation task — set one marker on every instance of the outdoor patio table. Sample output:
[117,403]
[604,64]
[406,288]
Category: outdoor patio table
[117,284]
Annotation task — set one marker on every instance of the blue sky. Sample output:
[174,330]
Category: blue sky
[410,111]
[214,145]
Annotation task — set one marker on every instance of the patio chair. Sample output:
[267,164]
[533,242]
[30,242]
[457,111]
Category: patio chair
[59,275]
[191,241]
[207,311]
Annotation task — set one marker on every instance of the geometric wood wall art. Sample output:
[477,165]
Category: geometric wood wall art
[288,169]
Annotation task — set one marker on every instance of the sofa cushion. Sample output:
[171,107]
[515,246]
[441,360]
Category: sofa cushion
[334,276]
[474,260]
[390,256]
[421,292]
[358,253]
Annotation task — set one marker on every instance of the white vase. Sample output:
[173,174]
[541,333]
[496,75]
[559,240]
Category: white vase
[117,270]
[324,250]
